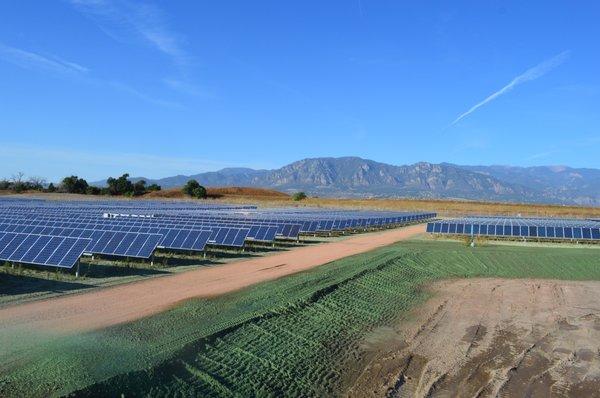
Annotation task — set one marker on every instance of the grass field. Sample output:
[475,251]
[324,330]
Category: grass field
[300,335]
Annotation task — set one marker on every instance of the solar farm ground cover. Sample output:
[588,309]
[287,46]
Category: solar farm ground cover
[301,335]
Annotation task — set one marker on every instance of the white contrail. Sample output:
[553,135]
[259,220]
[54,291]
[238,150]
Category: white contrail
[531,74]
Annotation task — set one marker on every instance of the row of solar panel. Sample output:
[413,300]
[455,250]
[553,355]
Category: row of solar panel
[169,238]
[575,233]
[254,233]
[218,235]
[257,232]
[41,249]
[100,242]
[307,226]
[507,221]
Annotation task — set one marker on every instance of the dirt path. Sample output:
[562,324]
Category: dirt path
[493,338]
[111,306]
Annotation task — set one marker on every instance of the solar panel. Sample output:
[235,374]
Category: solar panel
[524,228]
[41,249]
[136,229]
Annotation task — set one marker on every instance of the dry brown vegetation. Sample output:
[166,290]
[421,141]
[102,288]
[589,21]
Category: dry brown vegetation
[222,192]
[445,208]
[449,208]
[246,191]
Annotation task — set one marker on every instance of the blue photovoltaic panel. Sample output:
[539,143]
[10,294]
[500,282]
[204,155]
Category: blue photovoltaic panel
[523,228]
[41,249]
[118,228]
[193,240]
[240,238]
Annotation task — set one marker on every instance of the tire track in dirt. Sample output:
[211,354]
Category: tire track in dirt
[542,338]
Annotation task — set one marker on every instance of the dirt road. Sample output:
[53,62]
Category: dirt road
[493,338]
[110,306]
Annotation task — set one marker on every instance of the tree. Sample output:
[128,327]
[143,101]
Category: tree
[199,193]
[92,190]
[139,188]
[299,196]
[194,189]
[36,183]
[17,182]
[74,184]
[120,186]
[51,188]
[153,187]
[189,187]
[18,177]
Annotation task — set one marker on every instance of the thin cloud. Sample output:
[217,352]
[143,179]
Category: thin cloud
[360,9]
[31,60]
[130,22]
[183,86]
[531,74]
[144,97]
[124,21]
[71,70]
[542,155]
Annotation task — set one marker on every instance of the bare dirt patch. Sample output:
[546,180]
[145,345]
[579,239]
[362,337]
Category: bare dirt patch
[492,338]
[124,303]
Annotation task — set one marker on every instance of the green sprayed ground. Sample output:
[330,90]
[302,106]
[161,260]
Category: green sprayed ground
[299,336]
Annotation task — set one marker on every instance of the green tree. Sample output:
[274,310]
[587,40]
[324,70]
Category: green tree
[194,189]
[51,188]
[199,193]
[139,188]
[153,187]
[299,196]
[120,186]
[92,190]
[189,187]
[74,184]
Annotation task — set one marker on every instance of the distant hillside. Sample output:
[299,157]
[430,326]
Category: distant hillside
[356,177]
[561,184]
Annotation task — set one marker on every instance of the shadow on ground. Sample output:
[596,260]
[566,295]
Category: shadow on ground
[99,271]
[24,284]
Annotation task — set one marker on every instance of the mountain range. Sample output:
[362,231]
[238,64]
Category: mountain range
[357,177]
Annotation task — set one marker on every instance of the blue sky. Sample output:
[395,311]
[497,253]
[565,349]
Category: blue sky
[158,88]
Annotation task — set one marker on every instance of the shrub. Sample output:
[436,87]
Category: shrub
[199,193]
[139,188]
[189,187]
[119,186]
[92,190]
[299,196]
[194,189]
[74,184]
[153,187]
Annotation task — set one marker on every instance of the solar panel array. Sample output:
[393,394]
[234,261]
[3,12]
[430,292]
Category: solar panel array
[525,228]
[137,228]
[41,249]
